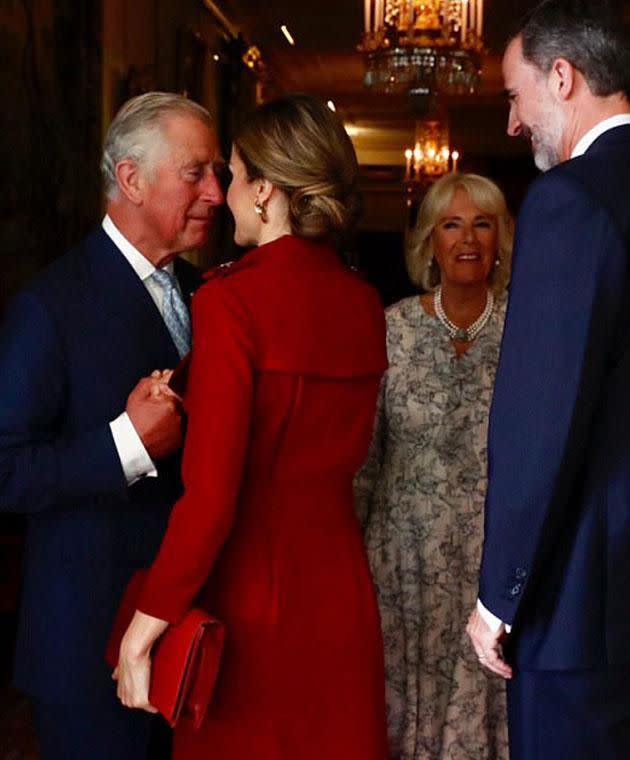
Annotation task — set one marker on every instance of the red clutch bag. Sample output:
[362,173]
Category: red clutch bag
[185,660]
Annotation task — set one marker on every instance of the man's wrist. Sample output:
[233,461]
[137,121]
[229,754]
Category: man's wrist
[134,458]
[490,619]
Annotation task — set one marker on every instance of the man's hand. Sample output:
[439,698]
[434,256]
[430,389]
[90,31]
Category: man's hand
[487,645]
[156,417]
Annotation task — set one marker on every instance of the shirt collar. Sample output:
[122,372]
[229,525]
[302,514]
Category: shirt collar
[139,263]
[597,131]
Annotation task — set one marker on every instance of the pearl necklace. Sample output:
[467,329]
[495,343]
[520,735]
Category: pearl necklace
[462,334]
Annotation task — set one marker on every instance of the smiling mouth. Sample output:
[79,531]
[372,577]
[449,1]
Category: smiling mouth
[468,257]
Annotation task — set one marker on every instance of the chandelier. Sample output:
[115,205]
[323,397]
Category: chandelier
[429,159]
[422,46]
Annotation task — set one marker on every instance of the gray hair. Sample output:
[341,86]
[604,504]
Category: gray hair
[421,265]
[136,133]
[587,33]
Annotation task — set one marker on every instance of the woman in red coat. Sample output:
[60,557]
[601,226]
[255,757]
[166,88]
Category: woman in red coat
[289,350]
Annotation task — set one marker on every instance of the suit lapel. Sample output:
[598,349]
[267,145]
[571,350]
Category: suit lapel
[120,293]
[189,279]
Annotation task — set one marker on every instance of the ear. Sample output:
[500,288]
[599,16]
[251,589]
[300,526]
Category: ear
[264,189]
[562,78]
[130,180]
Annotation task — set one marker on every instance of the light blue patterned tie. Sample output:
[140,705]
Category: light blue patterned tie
[174,309]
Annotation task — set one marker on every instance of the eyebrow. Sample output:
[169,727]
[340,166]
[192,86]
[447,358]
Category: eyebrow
[193,164]
[455,217]
[215,164]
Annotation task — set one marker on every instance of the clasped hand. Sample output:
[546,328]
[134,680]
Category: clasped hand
[154,410]
[159,388]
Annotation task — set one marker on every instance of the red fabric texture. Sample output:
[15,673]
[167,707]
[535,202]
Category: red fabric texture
[289,351]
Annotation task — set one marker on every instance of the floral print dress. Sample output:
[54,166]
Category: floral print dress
[420,496]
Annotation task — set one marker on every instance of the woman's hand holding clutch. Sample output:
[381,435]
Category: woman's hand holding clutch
[133,672]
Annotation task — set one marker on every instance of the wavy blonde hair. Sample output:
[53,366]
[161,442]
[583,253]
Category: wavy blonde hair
[300,146]
[421,264]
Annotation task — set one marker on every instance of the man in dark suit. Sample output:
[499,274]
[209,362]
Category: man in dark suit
[87,451]
[556,562]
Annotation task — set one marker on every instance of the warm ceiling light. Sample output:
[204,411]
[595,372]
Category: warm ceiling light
[423,46]
[287,34]
[252,58]
[431,156]
[331,105]
[216,57]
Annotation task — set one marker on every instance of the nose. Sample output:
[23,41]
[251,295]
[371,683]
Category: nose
[212,192]
[469,233]
[514,125]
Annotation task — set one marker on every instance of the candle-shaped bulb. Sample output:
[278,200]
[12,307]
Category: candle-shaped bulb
[408,157]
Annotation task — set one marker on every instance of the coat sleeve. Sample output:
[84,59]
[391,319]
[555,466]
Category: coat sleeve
[218,403]
[567,290]
[367,477]
[42,466]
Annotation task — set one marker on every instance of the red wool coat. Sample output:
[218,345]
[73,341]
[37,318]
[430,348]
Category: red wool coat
[289,351]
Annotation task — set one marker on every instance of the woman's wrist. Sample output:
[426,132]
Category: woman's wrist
[143,632]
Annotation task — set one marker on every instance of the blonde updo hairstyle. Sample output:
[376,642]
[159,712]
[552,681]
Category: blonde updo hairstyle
[421,264]
[299,145]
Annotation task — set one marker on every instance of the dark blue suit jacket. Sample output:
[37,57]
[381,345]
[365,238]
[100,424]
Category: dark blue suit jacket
[72,347]
[556,559]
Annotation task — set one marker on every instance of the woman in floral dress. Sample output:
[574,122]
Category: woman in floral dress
[420,494]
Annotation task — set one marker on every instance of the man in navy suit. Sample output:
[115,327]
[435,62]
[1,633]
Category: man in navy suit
[555,572]
[87,450]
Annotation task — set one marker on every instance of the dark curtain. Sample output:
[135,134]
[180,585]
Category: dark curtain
[51,131]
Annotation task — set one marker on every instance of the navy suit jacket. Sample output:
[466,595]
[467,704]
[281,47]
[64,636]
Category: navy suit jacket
[556,560]
[72,347]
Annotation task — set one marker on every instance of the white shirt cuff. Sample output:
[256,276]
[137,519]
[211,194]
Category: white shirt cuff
[492,621]
[134,458]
